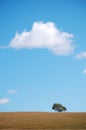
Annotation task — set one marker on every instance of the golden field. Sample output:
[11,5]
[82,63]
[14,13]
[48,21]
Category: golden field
[42,121]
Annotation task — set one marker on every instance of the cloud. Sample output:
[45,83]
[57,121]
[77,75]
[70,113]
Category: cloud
[84,71]
[81,55]
[12,91]
[4,101]
[44,35]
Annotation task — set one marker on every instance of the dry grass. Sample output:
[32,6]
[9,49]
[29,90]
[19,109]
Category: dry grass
[42,121]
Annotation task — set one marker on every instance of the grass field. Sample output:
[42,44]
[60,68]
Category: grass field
[42,121]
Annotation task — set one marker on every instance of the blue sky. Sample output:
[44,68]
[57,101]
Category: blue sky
[42,54]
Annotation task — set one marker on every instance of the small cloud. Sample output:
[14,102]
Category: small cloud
[12,91]
[4,47]
[82,55]
[44,35]
[4,101]
[84,71]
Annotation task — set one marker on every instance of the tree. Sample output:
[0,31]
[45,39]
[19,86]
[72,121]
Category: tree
[59,107]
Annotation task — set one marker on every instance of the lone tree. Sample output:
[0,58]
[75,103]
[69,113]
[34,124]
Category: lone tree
[59,107]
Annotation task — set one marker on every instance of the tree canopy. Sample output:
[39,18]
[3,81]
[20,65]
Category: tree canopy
[59,107]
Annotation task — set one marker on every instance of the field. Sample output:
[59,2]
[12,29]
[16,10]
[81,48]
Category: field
[42,121]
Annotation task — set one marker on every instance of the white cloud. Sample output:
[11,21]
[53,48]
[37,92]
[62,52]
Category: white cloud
[4,101]
[81,55]
[12,91]
[84,71]
[44,35]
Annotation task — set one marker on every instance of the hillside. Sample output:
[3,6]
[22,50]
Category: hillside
[42,120]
